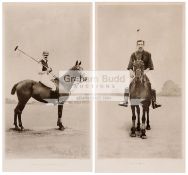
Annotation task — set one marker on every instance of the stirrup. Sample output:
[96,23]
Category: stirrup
[125,104]
[155,105]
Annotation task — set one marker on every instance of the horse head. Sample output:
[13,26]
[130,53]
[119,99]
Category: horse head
[77,72]
[138,68]
[74,74]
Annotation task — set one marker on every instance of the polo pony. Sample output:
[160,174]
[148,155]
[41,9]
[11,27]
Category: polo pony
[28,88]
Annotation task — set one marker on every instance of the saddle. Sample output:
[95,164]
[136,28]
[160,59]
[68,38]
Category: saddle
[56,93]
[44,85]
[53,94]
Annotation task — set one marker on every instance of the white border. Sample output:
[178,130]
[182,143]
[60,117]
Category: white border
[93,102]
[93,120]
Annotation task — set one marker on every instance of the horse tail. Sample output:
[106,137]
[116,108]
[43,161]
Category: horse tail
[14,89]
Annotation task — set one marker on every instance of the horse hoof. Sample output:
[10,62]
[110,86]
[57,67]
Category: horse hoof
[148,127]
[61,128]
[133,134]
[144,137]
[21,128]
[17,128]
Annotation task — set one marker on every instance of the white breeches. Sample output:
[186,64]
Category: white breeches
[46,80]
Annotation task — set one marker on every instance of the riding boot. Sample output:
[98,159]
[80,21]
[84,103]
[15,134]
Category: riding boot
[126,97]
[154,103]
[54,94]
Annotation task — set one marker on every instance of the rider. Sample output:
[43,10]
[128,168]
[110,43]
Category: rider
[46,70]
[148,66]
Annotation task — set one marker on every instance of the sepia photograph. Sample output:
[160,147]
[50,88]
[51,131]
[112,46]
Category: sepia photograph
[141,128]
[44,129]
[96,87]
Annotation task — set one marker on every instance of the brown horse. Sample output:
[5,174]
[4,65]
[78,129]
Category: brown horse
[28,88]
[140,94]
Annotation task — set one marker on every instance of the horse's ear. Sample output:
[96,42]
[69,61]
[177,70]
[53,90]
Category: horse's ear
[76,63]
[80,63]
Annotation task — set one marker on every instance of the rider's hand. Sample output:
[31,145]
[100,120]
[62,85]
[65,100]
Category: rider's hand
[49,70]
[132,74]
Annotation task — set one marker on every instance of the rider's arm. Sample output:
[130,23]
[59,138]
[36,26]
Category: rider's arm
[149,65]
[150,62]
[130,66]
[40,60]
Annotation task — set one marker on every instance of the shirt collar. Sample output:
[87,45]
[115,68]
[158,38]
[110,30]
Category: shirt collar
[139,51]
[44,60]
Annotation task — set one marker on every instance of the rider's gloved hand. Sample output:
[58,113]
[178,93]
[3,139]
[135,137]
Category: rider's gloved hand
[132,75]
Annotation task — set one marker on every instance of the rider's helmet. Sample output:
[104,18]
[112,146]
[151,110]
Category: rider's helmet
[45,53]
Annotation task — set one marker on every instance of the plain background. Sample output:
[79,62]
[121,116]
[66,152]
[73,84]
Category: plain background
[62,29]
[161,27]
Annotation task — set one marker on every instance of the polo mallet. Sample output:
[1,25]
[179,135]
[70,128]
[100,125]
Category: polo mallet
[16,48]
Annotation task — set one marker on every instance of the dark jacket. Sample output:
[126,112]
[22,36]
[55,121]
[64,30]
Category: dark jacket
[145,57]
[44,64]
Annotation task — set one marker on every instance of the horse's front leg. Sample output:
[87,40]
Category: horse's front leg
[138,114]
[143,129]
[133,129]
[148,125]
[59,122]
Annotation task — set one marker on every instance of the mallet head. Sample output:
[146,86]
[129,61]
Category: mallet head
[16,48]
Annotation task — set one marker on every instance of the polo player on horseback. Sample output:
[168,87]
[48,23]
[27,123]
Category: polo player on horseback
[145,56]
[45,72]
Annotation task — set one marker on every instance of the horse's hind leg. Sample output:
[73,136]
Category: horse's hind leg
[138,114]
[18,112]
[133,129]
[15,119]
[59,122]
[17,115]
[20,121]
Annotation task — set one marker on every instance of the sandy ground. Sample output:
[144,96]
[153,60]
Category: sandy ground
[164,139]
[41,139]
